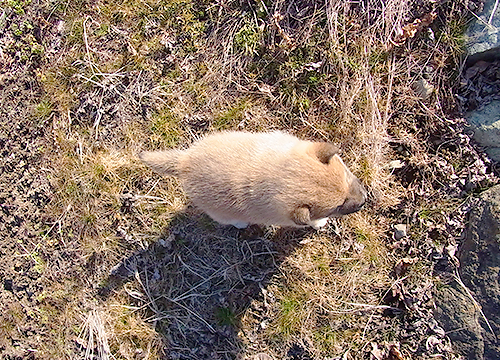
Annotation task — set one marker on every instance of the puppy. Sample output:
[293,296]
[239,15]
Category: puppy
[273,178]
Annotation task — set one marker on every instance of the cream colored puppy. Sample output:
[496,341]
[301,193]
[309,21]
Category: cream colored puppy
[273,178]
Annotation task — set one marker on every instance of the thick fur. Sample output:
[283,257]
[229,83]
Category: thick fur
[163,162]
[273,178]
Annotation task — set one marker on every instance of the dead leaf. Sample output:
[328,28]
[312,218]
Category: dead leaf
[423,89]
[431,342]
[313,66]
[289,42]
[410,30]
[402,266]
[266,89]
[394,353]
[376,353]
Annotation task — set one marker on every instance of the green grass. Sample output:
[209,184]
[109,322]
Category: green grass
[231,116]
[170,66]
[290,317]
[17,5]
[44,109]
[248,39]
[225,316]
[166,132]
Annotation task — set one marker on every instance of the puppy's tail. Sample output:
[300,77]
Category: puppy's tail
[163,162]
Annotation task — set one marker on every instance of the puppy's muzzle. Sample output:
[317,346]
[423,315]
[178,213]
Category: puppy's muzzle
[355,200]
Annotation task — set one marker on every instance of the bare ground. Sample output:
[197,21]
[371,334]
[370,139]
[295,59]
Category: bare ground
[102,259]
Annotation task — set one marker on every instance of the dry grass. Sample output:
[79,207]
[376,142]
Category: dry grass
[135,75]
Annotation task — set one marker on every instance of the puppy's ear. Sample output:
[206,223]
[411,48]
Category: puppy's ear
[324,151]
[301,215]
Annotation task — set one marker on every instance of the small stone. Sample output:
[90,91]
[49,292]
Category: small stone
[7,284]
[167,243]
[262,356]
[18,266]
[399,231]
[60,27]
[423,89]
[396,164]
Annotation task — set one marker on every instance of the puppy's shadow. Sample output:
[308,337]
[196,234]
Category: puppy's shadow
[198,279]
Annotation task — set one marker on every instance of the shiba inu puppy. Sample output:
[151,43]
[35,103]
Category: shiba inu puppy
[273,178]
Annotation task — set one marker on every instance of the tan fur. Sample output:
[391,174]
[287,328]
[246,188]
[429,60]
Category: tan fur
[273,178]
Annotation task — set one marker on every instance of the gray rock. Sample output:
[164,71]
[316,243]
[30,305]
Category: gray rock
[423,89]
[479,257]
[483,35]
[456,313]
[485,122]
[399,231]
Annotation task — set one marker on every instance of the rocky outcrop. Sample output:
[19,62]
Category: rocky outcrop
[474,335]
[483,48]
[457,315]
[485,122]
[483,35]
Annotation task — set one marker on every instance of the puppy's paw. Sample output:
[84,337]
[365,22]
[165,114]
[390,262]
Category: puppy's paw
[319,223]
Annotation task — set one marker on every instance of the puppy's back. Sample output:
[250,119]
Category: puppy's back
[260,178]
[238,150]
[245,176]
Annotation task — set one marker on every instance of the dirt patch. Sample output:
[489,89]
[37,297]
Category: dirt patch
[24,189]
[102,258]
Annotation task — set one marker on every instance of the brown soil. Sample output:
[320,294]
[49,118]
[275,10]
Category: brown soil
[235,274]
[24,191]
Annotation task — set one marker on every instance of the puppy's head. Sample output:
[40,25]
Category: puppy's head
[338,191]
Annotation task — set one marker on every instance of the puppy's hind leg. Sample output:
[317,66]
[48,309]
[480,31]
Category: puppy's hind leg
[318,223]
[236,223]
